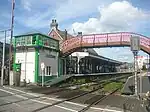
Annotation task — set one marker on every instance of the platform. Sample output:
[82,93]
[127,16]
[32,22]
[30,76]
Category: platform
[58,80]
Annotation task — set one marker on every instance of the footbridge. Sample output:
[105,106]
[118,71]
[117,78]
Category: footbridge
[119,39]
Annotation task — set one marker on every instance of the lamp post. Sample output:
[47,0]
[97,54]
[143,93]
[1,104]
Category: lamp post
[135,53]
[3,58]
[135,47]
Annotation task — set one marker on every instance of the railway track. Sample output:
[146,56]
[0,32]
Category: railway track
[97,81]
[97,100]
[99,85]
[80,95]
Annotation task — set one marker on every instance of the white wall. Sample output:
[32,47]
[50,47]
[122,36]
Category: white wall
[141,61]
[44,57]
[28,59]
[81,54]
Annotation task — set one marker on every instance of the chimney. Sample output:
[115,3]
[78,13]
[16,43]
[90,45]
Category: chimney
[54,24]
[79,34]
[65,34]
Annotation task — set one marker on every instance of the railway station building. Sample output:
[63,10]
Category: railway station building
[84,60]
[32,49]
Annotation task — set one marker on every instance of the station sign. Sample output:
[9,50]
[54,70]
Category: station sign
[42,66]
[135,43]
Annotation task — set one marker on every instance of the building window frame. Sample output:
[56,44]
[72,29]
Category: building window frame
[48,71]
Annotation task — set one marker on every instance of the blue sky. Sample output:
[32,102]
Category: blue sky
[88,16]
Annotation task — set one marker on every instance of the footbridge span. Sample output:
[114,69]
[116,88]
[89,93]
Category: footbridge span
[118,39]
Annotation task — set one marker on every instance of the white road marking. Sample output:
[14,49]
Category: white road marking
[41,101]
[104,109]
[13,93]
[75,104]
[17,105]
[54,99]
[33,94]
[66,108]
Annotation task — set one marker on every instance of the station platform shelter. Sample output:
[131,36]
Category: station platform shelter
[89,62]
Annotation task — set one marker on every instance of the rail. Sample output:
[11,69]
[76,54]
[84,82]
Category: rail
[76,96]
[100,74]
[69,99]
[97,101]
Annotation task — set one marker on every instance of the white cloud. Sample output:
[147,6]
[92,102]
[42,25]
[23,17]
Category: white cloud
[36,21]
[26,5]
[39,13]
[120,54]
[76,8]
[118,16]
[2,37]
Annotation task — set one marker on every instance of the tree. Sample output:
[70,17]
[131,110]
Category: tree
[144,67]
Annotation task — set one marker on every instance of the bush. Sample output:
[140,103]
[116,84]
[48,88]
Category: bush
[113,86]
[144,67]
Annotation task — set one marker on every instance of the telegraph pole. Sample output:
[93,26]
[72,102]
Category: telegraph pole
[12,26]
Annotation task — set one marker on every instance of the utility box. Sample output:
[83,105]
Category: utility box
[17,74]
[11,78]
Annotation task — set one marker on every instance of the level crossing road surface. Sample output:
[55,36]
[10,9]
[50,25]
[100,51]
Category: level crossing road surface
[13,100]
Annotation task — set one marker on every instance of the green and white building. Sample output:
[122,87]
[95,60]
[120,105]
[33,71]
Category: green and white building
[33,49]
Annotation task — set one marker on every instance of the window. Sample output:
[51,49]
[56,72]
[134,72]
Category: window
[28,40]
[34,40]
[22,41]
[48,70]
[18,42]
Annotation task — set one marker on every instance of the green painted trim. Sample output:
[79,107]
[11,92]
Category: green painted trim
[46,78]
[37,41]
[32,34]
[36,63]
[58,64]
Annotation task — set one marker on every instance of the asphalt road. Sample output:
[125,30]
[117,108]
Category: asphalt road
[13,100]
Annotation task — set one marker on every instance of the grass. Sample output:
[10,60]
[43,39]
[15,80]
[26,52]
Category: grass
[113,86]
[88,87]
[78,81]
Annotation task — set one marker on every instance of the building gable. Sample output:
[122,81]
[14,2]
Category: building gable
[55,35]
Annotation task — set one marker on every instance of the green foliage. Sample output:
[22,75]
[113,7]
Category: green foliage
[78,81]
[113,86]
[144,67]
[74,81]
[88,88]
[85,88]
